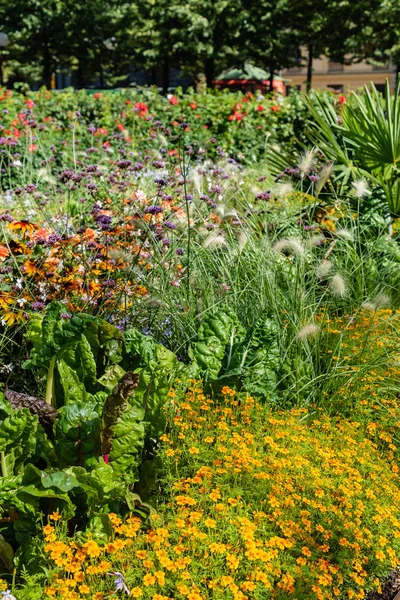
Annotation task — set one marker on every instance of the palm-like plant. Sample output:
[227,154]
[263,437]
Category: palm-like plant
[364,141]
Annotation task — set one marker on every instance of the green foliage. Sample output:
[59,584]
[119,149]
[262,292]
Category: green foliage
[366,143]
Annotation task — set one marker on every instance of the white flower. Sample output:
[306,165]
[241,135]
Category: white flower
[308,331]
[323,269]
[379,301]
[214,240]
[338,286]
[306,162]
[344,234]
[7,595]
[289,246]
[360,188]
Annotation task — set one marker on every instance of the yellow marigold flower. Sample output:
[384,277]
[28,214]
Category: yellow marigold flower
[84,589]
[160,575]
[104,566]
[215,495]
[136,592]
[227,391]
[183,589]
[147,563]
[149,579]
[79,577]
[55,516]
[47,529]
[193,450]
[380,555]
[170,452]
[248,586]
[98,596]
[91,548]
[209,523]
[49,591]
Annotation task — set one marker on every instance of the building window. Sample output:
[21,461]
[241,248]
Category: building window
[336,87]
[335,66]
[294,70]
[380,87]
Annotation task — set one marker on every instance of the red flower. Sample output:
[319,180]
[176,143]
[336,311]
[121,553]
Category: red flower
[237,116]
[30,103]
[97,95]
[141,108]
[100,131]
[173,100]
[120,127]
[275,108]
[260,108]
[342,99]
[193,105]
[32,147]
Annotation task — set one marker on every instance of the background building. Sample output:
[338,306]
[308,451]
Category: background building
[340,77]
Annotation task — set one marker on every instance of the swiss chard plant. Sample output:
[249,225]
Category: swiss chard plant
[78,449]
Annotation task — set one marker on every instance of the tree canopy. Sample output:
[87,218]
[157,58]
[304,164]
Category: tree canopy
[98,41]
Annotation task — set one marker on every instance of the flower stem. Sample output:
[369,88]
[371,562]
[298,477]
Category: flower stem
[3,464]
[50,381]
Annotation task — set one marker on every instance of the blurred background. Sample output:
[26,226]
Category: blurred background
[240,44]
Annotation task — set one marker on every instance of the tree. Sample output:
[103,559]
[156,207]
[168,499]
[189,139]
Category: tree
[270,34]
[35,29]
[214,35]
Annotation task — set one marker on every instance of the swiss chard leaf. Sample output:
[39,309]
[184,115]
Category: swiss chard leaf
[77,433]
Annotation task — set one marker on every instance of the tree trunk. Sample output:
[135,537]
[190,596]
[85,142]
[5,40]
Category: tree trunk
[165,75]
[101,70]
[47,66]
[309,67]
[209,67]
[271,79]
[80,78]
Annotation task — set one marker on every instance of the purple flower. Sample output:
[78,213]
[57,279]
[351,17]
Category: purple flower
[37,306]
[119,582]
[161,181]
[158,164]
[65,315]
[53,238]
[313,177]
[124,164]
[179,251]
[263,196]
[153,210]
[30,188]
[167,224]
